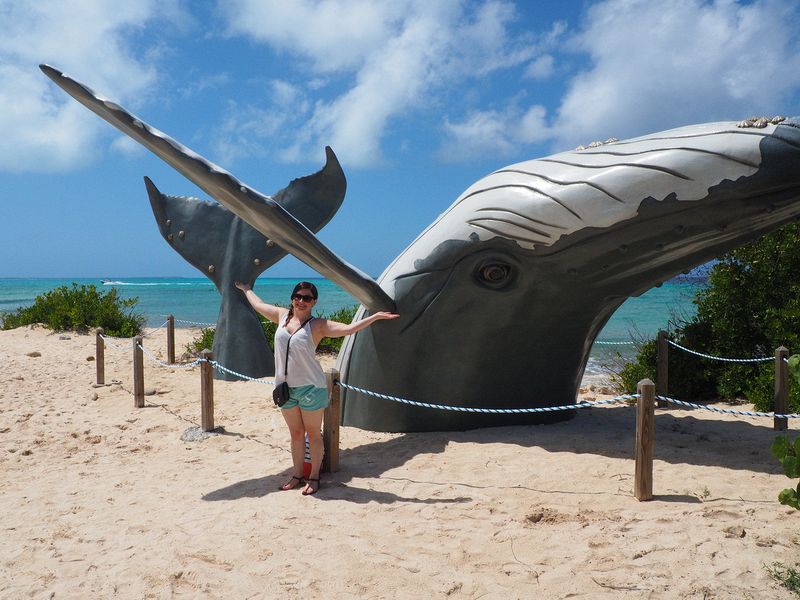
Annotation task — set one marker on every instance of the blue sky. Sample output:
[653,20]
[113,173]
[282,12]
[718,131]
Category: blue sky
[418,98]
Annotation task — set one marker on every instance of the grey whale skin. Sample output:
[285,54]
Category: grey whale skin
[502,297]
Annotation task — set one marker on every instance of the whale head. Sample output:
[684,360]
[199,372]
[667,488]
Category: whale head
[502,297]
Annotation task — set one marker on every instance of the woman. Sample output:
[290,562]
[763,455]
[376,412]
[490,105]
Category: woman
[308,393]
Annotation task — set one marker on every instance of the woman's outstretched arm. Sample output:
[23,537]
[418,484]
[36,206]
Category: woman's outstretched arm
[272,312]
[334,329]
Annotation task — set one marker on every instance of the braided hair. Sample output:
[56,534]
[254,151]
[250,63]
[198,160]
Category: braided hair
[303,285]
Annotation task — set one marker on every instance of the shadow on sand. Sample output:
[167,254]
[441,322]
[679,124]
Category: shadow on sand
[680,438]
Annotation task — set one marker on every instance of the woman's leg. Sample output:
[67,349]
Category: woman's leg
[312,423]
[294,421]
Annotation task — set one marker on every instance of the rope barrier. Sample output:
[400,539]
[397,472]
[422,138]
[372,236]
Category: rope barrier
[736,360]
[108,338]
[617,399]
[108,341]
[155,359]
[614,343]
[729,411]
[219,367]
[196,323]
[488,410]
[164,324]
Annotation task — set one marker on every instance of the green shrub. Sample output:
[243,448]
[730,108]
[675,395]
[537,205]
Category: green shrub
[205,341]
[326,345]
[630,373]
[762,391]
[788,454]
[79,308]
[750,306]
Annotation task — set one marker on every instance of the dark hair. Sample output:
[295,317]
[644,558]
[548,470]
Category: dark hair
[303,285]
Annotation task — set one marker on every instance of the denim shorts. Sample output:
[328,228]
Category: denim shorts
[307,397]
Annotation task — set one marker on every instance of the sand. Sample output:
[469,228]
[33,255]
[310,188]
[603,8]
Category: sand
[102,500]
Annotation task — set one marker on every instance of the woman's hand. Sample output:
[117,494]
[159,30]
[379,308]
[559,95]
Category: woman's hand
[379,316]
[273,313]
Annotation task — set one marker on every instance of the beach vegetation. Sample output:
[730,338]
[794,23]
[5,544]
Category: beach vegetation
[326,345]
[749,307]
[788,454]
[788,577]
[204,341]
[79,308]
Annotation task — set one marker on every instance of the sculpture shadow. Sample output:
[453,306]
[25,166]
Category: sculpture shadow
[680,438]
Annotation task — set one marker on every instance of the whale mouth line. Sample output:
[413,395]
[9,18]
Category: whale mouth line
[564,183]
[483,224]
[684,137]
[523,186]
[722,155]
[621,164]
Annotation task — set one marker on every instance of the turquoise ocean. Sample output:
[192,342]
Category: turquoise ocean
[194,301]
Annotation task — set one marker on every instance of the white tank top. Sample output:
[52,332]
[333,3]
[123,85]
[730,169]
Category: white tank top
[303,366]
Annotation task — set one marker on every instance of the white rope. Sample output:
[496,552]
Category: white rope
[155,359]
[614,343]
[728,411]
[108,340]
[487,410]
[164,324]
[736,360]
[196,323]
[219,367]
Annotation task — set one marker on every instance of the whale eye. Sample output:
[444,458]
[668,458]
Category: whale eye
[493,274]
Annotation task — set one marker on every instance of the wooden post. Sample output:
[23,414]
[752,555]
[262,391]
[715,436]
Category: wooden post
[171,340]
[662,367]
[643,480]
[781,405]
[330,423]
[100,356]
[207,391]
[138,373]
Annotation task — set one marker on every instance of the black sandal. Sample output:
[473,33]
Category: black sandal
[314,490]
[288,485]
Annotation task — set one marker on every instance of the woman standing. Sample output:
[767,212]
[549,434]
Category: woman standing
[300,333]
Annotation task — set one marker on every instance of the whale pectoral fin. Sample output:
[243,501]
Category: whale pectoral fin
[262,212]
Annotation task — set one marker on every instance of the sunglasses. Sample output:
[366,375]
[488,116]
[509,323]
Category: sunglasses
[302,298]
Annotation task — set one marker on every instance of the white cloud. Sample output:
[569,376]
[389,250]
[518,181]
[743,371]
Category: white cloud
[127,147]
[541,68]
[395,57]
[250,130]
[333,35]
[494,133]
[43,130]
[659,65]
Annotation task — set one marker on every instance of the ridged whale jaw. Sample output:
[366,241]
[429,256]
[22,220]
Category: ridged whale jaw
[503,296]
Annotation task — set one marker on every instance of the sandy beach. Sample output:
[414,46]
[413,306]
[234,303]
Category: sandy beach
[102,500]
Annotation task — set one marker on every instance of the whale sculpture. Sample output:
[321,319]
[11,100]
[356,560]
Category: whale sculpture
[502,296]
[226,249]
